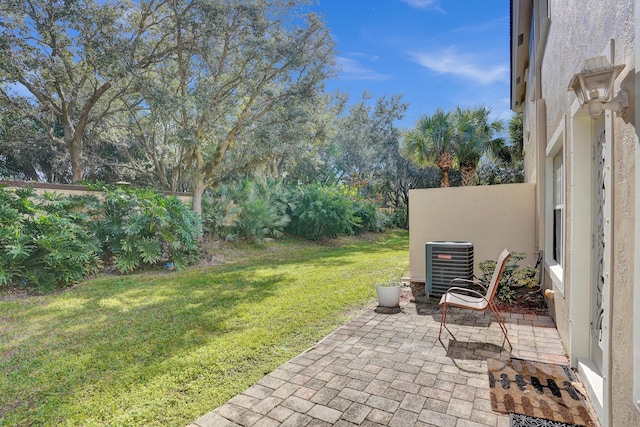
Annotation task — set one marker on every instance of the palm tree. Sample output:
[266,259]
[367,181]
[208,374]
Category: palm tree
[431,142]
[473,136]
[514,152]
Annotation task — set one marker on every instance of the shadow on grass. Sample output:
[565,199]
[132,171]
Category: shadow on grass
[123,333]
[151,348]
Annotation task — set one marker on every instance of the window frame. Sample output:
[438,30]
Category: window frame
[555,150]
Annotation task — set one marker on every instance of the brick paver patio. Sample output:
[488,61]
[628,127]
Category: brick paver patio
[387,367]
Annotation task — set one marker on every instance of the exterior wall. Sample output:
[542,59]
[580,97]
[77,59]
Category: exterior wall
[576,35]
[491,217]
[582,29]
[622,324]
[77,190]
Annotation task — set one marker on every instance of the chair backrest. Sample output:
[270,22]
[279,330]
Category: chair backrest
[497,274]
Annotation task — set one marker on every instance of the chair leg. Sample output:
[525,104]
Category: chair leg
[503,327]
[443,319]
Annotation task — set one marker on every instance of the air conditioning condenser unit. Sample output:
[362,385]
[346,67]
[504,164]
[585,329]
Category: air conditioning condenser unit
[447,261]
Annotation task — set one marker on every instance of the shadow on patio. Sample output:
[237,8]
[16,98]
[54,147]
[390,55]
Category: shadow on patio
[387,367]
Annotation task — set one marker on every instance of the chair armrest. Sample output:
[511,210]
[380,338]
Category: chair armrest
[474,282]
[456,288]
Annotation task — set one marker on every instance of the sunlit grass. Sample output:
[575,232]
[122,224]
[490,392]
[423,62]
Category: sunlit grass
[165,348]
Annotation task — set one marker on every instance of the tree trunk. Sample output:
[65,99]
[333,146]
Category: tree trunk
[445,162]
[77,166]
[444,181]
[198,191]
[73,142]
[468,171]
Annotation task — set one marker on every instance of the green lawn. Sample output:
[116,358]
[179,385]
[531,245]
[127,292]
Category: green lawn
[165,348]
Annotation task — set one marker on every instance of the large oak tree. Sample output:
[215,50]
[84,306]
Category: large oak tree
[244,67]
[236,95]
[63,63]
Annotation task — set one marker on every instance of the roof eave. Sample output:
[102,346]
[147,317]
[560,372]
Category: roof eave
[520,29]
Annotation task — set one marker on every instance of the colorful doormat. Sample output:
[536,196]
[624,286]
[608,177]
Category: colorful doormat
[536,389]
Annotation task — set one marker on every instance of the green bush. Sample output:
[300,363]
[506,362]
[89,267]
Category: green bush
[513,276]
[264,210]
[399,218]
[370,219]
[220,213]
[318,211]
[260,211]
[366,213]
[492,174]
[248,209]
[44,242]
[141,227]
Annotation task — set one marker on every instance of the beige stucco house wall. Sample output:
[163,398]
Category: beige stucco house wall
[590,164]
[491,217]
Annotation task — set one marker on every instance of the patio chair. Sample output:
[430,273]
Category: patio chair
[472,299]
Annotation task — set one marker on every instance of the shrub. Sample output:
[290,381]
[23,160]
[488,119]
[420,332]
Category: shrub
[317,211]
[399,218]
[248,209]
[366,213]
[492,174]
[370,218]
[44,242]
[141,227]
[220,213]
[513,277]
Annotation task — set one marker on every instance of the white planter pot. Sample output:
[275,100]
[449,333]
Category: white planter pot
[388,296]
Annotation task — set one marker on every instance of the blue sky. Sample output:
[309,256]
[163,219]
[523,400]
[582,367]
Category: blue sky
[437,53]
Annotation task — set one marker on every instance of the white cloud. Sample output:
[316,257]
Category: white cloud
[483,27]
[424,4]
[502,111]
[353,70]
[448,61]
[366,56]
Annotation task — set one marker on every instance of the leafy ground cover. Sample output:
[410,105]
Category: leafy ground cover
[164,348]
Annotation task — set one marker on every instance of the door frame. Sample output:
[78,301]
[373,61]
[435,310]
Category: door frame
[581,195]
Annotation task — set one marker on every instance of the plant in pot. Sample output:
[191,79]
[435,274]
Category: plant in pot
[388,294]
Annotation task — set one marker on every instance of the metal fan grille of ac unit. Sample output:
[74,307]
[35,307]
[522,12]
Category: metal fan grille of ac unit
[446,261]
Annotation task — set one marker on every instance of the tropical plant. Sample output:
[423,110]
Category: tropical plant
[474,136]
[220,213]
[141,227]
[507,164]
[369,219]
[317,211]
[44,242]
[432,142]
[513,277]
[492,173]
[513,153]
[251,209]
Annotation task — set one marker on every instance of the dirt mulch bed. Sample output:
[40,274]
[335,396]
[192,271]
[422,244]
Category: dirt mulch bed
[527,304]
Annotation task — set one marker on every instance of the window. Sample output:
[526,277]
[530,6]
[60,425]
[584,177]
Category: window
[554,207]
[558,208]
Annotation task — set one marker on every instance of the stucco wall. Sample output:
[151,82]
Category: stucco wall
[78,190]
[582,29]
[624,221]
[492,217]
[576,35]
